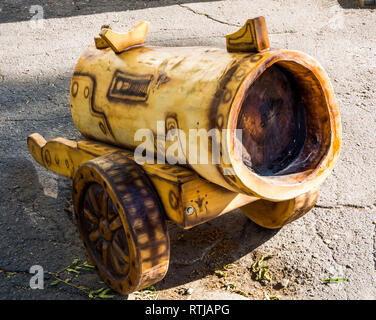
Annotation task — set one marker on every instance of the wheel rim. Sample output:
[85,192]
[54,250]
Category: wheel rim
[103,231]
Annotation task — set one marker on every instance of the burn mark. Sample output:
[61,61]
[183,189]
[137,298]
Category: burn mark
[227,95]
[201,203]
[127,87]
[171,121]
[102,127]
[75,87]
[86,92]
[217,120]
[47,157]
[256,57]
[220,121]
[162,79]
[173,200]
[93,109]
[239,74]
[220,93]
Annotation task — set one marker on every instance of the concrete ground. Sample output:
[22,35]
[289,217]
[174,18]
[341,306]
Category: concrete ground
[336,239]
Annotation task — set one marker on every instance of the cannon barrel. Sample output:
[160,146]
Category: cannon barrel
[281,100]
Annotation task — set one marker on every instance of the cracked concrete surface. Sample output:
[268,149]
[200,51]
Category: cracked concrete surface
[208,16]
[336,239]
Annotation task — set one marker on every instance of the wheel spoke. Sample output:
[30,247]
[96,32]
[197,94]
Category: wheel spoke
[93,200]
[116,224]
[94,236]
[120,252]
[112,212]
[121,269]
[104,204]
[90,216]
[105,247]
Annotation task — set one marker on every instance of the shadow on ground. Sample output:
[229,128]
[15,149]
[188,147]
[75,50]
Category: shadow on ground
[21,10]
[204,249]
[36,230]
[357,4]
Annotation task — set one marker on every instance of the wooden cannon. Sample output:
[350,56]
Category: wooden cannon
[280,100]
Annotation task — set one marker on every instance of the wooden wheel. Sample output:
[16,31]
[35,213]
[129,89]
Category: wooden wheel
[121,222]
[274,215]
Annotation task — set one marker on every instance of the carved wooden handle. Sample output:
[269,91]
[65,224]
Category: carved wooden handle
[252,37]
[121,41]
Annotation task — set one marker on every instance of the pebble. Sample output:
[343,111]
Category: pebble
[284,283]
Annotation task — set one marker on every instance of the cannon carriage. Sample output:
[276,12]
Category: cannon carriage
[281,101]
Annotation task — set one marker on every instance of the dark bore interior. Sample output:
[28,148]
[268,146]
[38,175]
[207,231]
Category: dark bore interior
[273,122]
